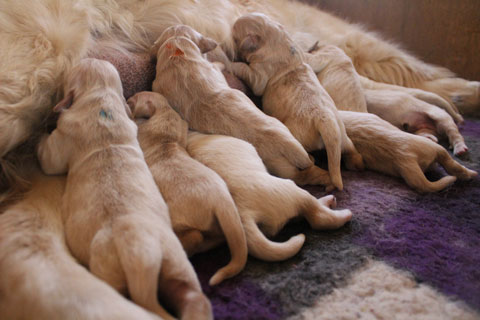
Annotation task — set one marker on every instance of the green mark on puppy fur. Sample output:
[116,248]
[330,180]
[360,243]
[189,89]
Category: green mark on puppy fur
[106,114]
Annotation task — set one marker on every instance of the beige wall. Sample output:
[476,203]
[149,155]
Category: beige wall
[443,32]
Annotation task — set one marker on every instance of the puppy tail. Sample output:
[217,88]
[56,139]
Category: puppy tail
[141,259]
[262,248]
[229,220]
[329,129]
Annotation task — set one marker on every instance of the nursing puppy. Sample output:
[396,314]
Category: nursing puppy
[291,92]
[387,149]
[199,92]
[116,221]
[262,199]
[201,208]
[415,116]
[35,259]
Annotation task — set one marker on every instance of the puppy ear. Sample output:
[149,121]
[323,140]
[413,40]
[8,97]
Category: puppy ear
[207,44]
[65,103]
[250,44]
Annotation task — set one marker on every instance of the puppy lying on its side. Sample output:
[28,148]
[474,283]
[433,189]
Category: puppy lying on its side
[263,199]
[416,116]
[202,210]
[199,92]
[39,278]
[387,149]
[291,92]
[116,221]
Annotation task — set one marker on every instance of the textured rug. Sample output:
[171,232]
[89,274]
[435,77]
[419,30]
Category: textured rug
[403,256]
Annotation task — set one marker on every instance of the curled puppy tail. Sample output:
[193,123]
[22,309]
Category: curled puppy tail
[262,248]
[141,259]
[328,128]
[229,220]
[453,167]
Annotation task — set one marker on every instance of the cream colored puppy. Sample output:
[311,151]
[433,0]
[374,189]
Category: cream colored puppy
[202,210]
[387,149]
[39,278]
[415,116]
[262,199]
[200,93]
[116,221]
[291,92]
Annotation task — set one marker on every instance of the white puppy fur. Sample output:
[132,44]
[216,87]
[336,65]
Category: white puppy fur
[276,69]
[387,149]
[200,94]
[202,210]
[261,198]
[39,278]
[415,116]
[116,221]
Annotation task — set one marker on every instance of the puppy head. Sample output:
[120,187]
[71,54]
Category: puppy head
[89,74]
[205,44]
[143,105]
[177,49]
[257,34]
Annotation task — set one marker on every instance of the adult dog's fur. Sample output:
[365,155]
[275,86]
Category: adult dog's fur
[200,94]
[116,221]
[261,198]
[201,209]
[275,69]
[387,149]
[41,40]
[39,278]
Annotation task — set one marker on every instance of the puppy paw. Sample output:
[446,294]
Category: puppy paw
[460,149]
[354,162]
[328,201]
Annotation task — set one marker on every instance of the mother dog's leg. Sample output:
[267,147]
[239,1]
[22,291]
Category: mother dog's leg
[39,278]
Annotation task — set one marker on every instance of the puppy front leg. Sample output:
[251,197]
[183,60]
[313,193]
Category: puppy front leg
[53,153]
[254,79]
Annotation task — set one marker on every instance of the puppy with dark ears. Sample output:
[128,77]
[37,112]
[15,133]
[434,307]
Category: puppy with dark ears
[277,71]
[200,94]
[201,208]
[116,221]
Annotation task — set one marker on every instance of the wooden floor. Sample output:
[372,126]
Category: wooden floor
[442,32]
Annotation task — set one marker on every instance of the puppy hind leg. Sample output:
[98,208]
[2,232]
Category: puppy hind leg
[330,132]
[415,178]
[262,248]
[140,255]
[320,215]
[104,262]
[453,167]
[187,301]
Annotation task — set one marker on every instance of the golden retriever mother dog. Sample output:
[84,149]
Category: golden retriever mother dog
[41,40]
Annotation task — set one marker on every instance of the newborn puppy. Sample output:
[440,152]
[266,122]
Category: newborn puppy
[416,116]
[387,149]
[263,200]
[116,221]
[291,92]
[199,92]
[201,208]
